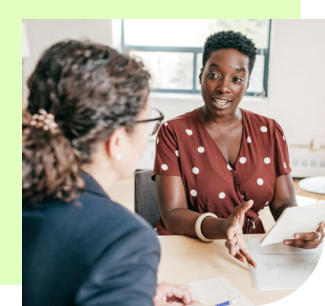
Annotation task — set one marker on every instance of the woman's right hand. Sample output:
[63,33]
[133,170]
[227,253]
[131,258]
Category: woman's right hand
[234,233]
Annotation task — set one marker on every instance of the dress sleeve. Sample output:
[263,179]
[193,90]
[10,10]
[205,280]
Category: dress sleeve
[281,158]
[167,153]
[125,272]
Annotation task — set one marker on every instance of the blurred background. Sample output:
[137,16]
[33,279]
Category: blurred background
[287,83]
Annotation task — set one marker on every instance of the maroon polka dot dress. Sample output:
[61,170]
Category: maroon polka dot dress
[184,148]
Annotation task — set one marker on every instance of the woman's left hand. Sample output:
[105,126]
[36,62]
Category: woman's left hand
[307,240]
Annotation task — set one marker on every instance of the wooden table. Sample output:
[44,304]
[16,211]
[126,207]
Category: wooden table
[185,259]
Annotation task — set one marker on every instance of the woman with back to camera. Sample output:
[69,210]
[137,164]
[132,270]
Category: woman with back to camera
[85,127]
[220,163]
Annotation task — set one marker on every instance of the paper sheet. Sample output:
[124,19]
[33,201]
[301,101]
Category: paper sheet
[217,290]
[295,220]
[280,267]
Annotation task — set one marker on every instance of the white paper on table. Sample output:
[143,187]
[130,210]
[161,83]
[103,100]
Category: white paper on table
[217,290]
[295,220]
[279,268]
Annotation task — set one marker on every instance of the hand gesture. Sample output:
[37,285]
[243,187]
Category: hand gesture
[234,233]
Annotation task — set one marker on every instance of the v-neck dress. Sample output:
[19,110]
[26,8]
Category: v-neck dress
[185,148]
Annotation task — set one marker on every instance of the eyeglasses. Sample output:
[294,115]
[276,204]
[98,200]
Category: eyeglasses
[154,123]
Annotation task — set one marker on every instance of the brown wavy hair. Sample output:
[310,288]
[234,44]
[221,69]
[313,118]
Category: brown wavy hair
[92,90]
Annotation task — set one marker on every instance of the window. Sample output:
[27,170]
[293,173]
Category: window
[172,49]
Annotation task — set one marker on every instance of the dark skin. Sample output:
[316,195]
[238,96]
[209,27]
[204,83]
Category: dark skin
[224,80]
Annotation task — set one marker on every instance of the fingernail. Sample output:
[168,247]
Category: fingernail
[287,242]
[297,236]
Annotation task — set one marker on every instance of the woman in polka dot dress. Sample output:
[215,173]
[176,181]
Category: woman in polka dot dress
[224,160]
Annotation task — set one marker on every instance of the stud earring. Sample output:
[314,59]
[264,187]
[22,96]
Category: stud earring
[118,157]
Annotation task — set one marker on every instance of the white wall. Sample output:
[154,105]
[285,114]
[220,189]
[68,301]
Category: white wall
[42,33]
[297,79]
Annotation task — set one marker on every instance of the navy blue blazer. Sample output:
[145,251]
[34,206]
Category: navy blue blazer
[91,252]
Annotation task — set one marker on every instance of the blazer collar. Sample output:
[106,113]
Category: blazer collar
[92,186]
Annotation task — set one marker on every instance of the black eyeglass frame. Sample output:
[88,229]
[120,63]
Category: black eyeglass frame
[158,119]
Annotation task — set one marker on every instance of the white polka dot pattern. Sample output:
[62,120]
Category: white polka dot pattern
[195,170]
[284,165]
[189,132]
[267,203]
[263,129]
[157,140]
[249,140]
[193,193]
[177,153]
[222,195]
[166,123]
[260,182]
[164,167]
[229,167]
[267,160]
[242,160]
[200,149]
[284,138]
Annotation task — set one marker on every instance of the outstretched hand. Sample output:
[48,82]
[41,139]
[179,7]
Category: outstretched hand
[234,234]
[307,240]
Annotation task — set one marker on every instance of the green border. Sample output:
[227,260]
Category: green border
[11,76]
[275,9]
[10,118]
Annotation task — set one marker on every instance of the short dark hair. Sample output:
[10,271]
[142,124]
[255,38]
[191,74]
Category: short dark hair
[230,40]
[91,90]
